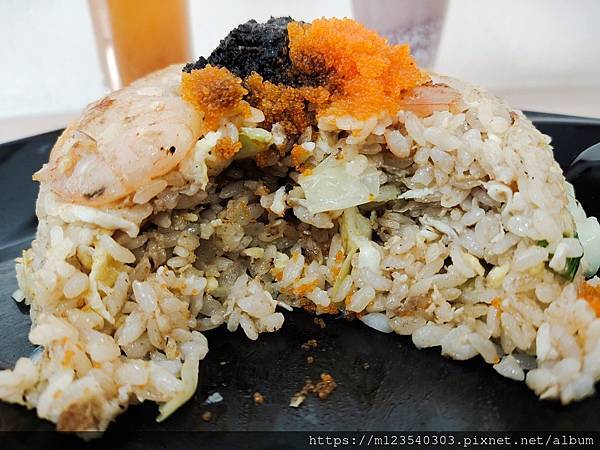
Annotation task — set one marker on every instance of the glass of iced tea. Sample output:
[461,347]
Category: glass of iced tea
[135,37]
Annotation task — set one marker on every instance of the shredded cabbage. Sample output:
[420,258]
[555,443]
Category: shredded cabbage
[589,236]
[102,270]
[354,226]
[355,229]
[189,377]
[588,233]
[388,192]
[254,141]
[331,186]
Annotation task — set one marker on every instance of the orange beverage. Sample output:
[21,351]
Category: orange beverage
[136,37]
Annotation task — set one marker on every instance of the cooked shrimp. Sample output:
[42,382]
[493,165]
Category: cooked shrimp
[121,142]
[426,99]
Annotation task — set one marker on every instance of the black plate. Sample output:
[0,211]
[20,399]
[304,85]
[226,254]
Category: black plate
[384,383]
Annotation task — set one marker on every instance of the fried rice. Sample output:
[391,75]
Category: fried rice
[455,227]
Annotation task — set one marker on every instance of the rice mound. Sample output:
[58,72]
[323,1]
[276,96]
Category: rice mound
[462,244]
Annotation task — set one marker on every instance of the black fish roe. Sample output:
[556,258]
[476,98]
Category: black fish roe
[253,47]
[262,48]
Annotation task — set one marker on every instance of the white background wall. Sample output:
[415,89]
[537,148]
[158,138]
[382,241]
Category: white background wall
[48,60]
[522,43]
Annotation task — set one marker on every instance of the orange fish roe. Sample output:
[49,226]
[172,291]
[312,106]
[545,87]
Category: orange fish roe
[591,294]
[226,148]
[284,104]
[216,92]
[299,154]
[366,74]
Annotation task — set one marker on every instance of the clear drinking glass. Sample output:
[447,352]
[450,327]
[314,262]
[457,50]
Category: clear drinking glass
[135,37]
[419,23]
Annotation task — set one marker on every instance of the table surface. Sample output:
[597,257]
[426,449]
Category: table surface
[575,101]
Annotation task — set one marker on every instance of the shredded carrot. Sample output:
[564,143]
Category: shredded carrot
[348,299]
[68,357]
[339,261]
[497,303]
[304,289]
[591,294]
[335,271]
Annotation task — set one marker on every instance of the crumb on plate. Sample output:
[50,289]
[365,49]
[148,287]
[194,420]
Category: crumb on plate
[319,321]
[322,389]
[258,398]
[311,343]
